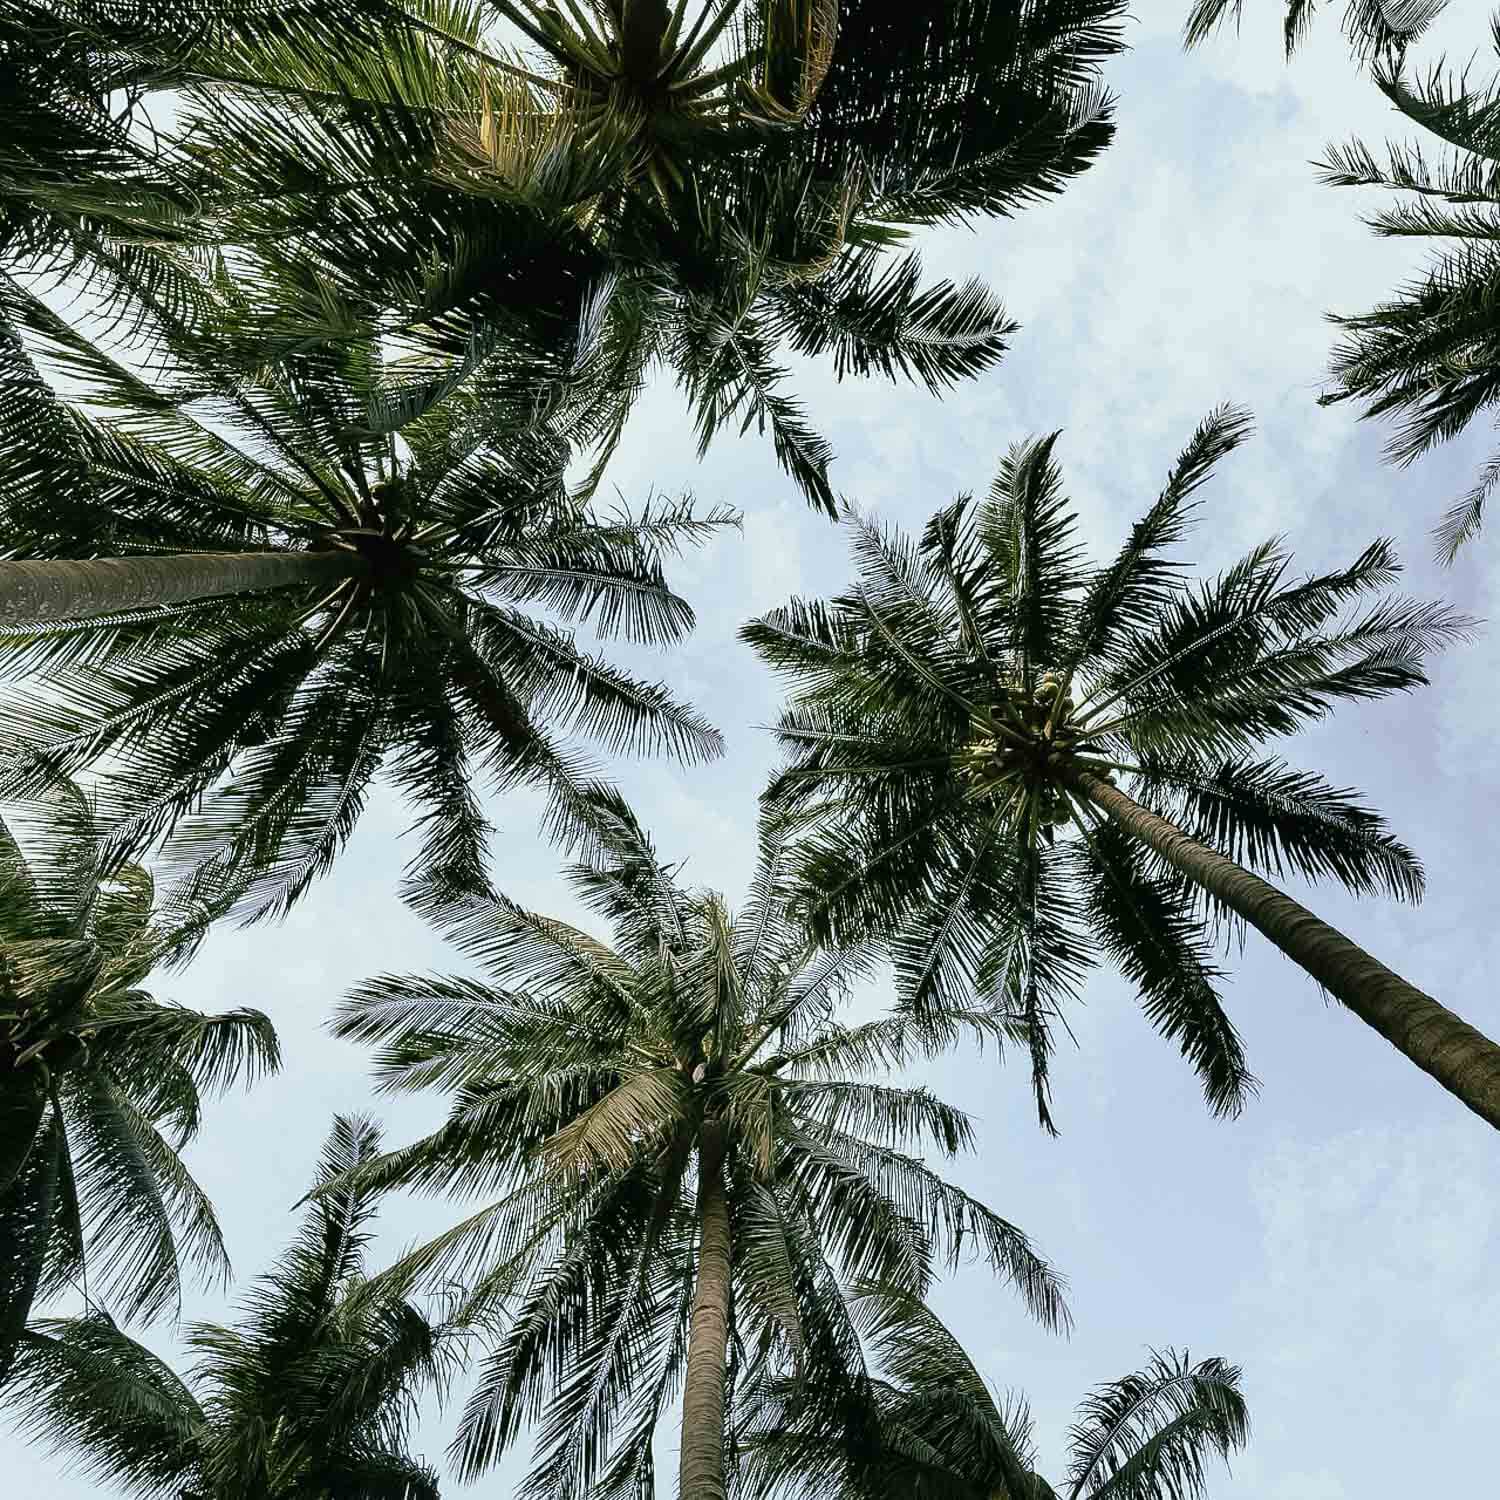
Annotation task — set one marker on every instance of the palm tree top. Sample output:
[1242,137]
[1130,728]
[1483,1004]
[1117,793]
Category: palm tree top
[101,1084]
[311,1393]
[586,1078]
[632,186]
[427,517]
[944,706]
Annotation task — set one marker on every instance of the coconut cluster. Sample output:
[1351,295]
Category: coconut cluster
[34,1037]
[988,758]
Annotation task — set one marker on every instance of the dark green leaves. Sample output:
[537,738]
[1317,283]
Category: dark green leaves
[892,1405]
[310,1392]
[244,734]
[1429,354]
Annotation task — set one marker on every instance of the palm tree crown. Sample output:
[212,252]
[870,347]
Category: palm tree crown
[594,1084]
[248,728]
[923,1424]
[100,1084]
[308,1397]
[656,187]
[1431,353]
[978,692]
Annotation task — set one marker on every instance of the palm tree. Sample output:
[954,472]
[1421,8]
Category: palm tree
[981,689]
[692,190]
[278,597]
[308,1397]
[1378,31]
[684,1143]
[927,1427]
[100,1084]
[1431,353]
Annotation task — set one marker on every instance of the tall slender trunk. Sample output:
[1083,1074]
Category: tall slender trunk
[701,1470]
[34,593]
[1463,1060]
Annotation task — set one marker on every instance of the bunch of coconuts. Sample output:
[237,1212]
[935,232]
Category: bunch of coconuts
[1034,712]
[35,1036]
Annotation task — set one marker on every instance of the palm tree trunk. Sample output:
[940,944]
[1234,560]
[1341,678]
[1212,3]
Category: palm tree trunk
[34,593]
[1463,1060]
[22,1100]
[701,1471]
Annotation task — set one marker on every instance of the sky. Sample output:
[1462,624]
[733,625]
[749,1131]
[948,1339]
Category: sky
[1336,1241]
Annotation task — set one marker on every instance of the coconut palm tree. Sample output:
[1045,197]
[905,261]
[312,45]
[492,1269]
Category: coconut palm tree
[1378,31]
[309,1396]
[699,187]
[101,1085]
[680,1145]
[928,1427]
[979,691]
[1430,354]
[252,596]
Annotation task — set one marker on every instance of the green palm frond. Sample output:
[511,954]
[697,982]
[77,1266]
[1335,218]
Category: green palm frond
[28,1210]
[898,1407]
[1377,30]
[1427,354]
[1127,595]
[109,1081]
[84,1385]
[1148,929]
[140,1205]
[1149,1434]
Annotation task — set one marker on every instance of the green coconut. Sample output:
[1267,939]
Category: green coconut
[67,1052]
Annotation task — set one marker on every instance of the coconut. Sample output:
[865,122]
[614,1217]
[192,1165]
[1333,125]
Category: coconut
[67,1052]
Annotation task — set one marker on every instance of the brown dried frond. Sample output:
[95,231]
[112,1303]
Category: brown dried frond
[821,37]
[838,235]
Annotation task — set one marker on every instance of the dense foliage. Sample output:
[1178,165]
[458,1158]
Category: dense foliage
[319,327]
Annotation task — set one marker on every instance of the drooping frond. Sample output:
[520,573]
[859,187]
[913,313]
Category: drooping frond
[1148,1436]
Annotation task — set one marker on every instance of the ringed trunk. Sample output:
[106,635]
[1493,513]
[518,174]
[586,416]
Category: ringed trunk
[36,593]
[701,1471]
[1461,1058]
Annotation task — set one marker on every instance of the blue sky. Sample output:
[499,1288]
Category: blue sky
[1337,1240]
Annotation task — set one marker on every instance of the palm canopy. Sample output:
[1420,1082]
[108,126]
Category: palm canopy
[943,705]
[68,161]
[246,730]
[1431,355]
[701,190]
[100,1084]
[309,1396]
[1378,31]
[916,1419]
[92,185]
[588,1077]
